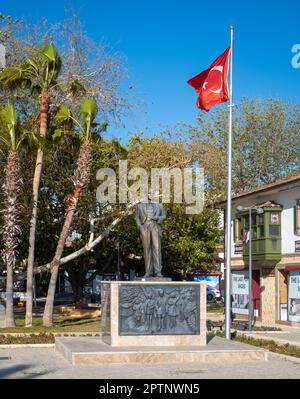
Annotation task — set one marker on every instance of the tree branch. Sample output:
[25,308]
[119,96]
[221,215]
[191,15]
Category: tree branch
[88,247]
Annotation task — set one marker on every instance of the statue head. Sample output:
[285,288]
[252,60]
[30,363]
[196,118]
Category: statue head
[153,195]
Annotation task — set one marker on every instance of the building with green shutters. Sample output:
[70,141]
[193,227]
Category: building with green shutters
[275,232]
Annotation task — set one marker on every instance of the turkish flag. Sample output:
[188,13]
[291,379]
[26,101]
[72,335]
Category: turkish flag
[211,84]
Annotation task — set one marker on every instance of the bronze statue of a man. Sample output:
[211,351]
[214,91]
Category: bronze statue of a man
[149,217]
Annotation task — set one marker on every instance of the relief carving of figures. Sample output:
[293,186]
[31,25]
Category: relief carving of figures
[163,309]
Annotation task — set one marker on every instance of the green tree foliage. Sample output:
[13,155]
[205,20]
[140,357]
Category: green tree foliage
[266,144]
[88,70]
[32,66]
[190,241]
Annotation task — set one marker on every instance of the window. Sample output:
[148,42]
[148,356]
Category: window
[245,224]
[254,226]
[260,227]
[274,227]
[297,217]
[274,218]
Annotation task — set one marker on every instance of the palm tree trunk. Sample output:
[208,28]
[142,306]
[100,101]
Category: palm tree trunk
[11,229]
[9,313]
[43,112]
[48,312]
[81,179]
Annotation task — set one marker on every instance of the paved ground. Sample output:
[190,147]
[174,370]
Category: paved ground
[31,363]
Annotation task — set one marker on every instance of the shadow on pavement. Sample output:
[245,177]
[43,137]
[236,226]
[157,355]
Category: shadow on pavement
[9,371]
[25,372]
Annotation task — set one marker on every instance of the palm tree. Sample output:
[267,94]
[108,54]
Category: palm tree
[82,176]
[11,189]
[41,74]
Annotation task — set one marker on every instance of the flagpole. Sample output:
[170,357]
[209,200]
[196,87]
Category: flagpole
[228,214]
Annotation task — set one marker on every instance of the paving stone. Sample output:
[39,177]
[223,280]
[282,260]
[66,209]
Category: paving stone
[43,363]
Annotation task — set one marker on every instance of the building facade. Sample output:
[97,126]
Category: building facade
[275,251]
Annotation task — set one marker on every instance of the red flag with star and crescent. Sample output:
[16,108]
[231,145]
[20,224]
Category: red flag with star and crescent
[211,84]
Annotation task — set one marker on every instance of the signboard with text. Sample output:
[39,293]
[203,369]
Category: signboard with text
[240,292]
[294,296]
[238,249]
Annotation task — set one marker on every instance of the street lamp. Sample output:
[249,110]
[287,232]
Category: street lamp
[259,211]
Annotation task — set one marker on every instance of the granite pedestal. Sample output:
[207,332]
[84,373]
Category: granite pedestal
[153,313]
[154,322]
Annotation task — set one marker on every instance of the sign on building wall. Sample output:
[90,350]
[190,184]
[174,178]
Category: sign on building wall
[240,292]
[238,249]
[294,296]
[297,246]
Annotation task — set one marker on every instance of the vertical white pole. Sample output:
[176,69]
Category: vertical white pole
[250,307]
[2,56]
[228,215]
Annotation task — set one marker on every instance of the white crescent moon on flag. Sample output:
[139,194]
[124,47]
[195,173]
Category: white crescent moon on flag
[216,68]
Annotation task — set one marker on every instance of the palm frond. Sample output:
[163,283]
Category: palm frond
[9,115]
[4,140]
[32,67]
[21,139]
[12,75]
[50,54]
[10,119]
[63,114]
[38,140]
[89,110]
[52,63]
[39,72]
[66,120]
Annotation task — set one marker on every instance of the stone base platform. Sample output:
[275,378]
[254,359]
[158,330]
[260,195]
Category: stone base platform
[92,350]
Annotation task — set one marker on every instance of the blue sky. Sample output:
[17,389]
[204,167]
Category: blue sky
[166,42]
